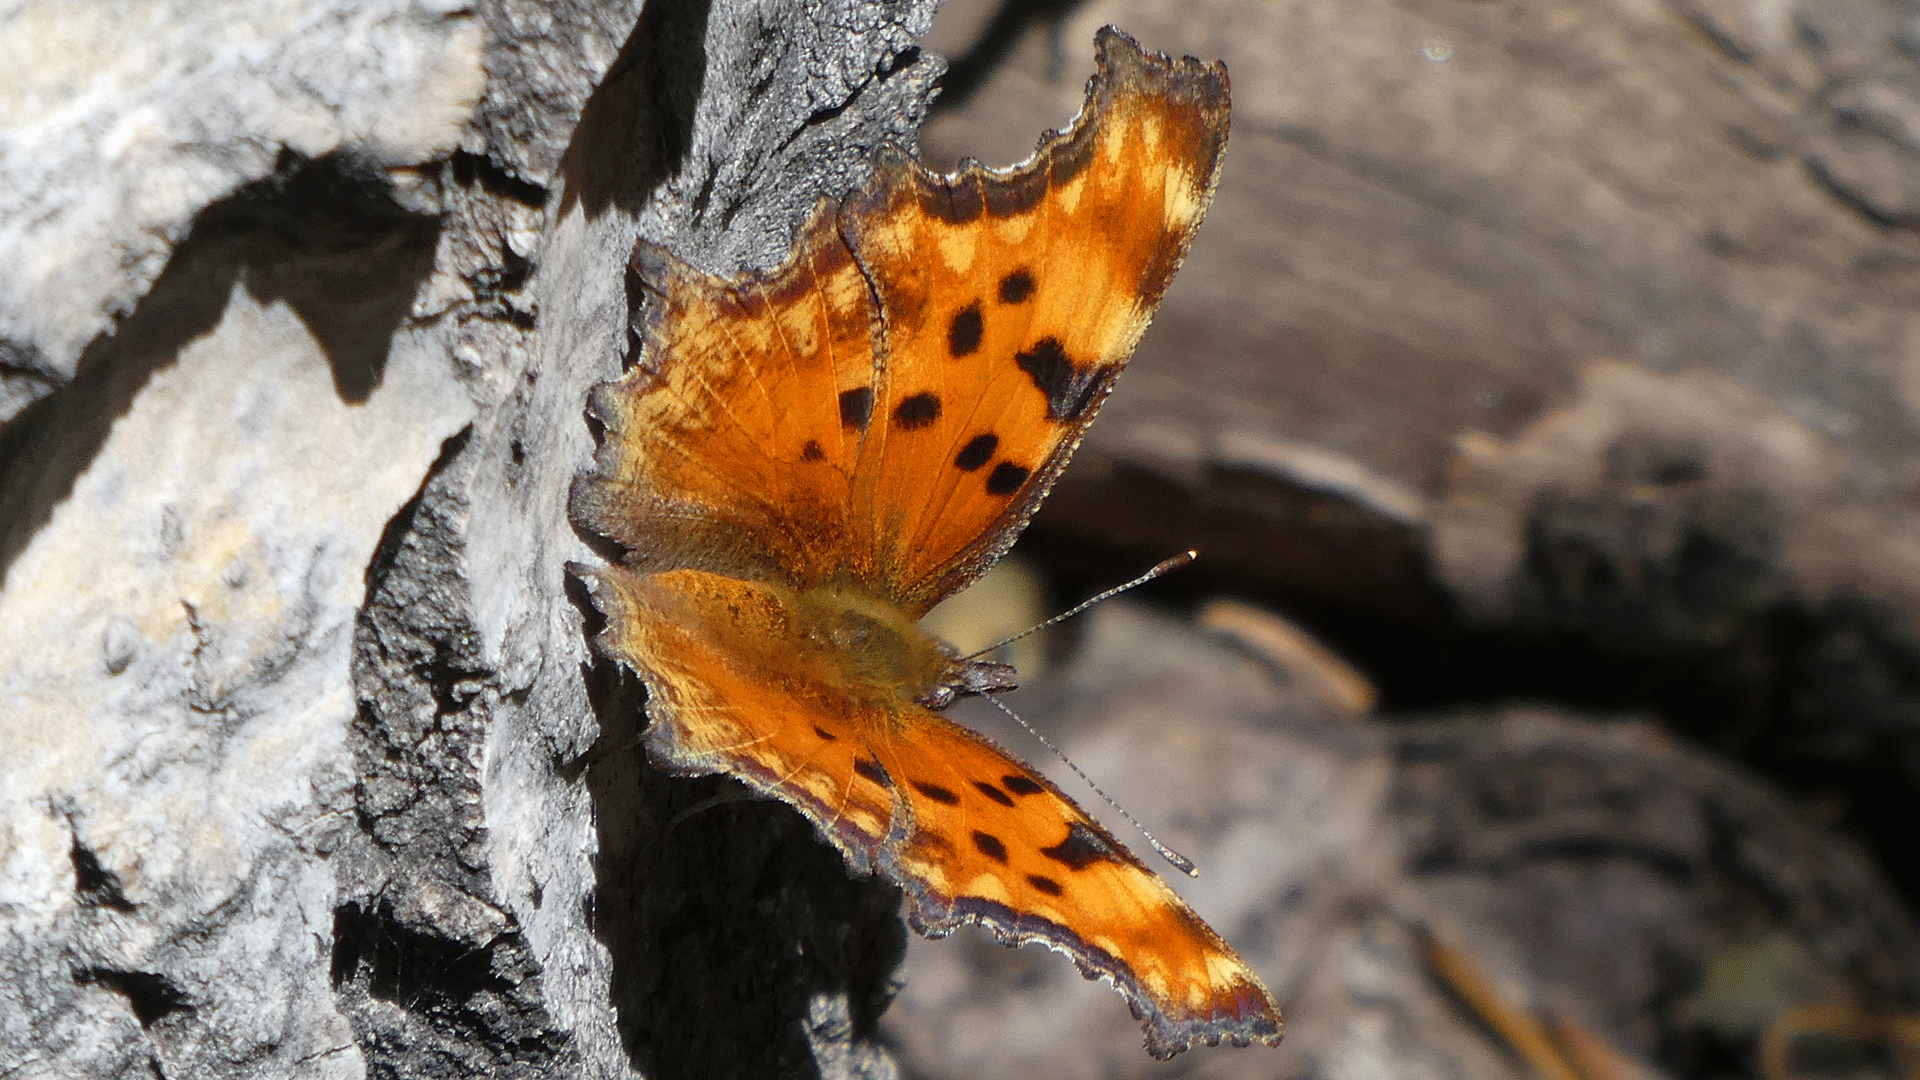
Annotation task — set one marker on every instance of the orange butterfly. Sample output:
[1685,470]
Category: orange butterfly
[809,459]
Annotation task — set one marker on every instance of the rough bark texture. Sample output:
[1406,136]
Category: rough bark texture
[1553,350]
[301,311]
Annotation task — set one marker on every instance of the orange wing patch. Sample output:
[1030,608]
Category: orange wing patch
[807,460]
[990,840]
[729,691]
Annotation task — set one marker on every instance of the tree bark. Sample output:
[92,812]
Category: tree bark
[300,323]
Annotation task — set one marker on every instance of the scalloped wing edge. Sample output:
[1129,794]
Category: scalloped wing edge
[934,915]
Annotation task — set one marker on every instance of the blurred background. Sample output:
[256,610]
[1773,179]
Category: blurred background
[1541,394]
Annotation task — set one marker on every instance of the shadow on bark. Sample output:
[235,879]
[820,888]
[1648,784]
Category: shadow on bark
[323,235]
[636,129]
[732,927]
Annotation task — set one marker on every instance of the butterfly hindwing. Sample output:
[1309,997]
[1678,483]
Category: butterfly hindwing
[726,693]
[992,841]
[971,834]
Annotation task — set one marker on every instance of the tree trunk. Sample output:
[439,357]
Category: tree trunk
[295,344]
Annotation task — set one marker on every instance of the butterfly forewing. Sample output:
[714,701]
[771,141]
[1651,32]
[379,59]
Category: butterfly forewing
[732,446]
[1009,300]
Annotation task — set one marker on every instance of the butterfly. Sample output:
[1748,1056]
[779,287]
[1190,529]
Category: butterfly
[805,460]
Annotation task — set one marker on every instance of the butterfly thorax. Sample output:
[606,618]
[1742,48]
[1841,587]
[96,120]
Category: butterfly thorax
[872,651]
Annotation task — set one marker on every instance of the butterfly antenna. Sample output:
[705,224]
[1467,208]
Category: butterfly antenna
[1165,567]
[1180,862]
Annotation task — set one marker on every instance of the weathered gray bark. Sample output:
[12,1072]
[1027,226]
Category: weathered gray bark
[301,308]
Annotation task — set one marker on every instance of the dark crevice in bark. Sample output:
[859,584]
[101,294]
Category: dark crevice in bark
[644,106]
[151,997]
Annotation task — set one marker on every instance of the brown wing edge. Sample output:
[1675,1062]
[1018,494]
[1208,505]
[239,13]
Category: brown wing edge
[653,531]
[1252,1017]
[1199,89]
[1251,1014]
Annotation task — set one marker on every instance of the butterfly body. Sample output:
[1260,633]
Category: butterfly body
[806,460]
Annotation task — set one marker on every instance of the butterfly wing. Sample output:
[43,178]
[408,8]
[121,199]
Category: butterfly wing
[731,446]
[1004,303]
[725,693]
[990,840]
[1009,300]
[970,834]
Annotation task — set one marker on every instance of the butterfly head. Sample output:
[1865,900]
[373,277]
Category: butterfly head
[962,677]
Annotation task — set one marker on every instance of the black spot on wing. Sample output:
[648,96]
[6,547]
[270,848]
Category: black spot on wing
[990,846]
[856,407]
[812,452]
[1020,785]
[1045,884]
[993,793]
[1006,478]
[918,411]
[978,451]
[944,796]
[1082,848]
[964,333]
[1017,287]
[825,734]
[1067,390]
[1047,365]
[873,771]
